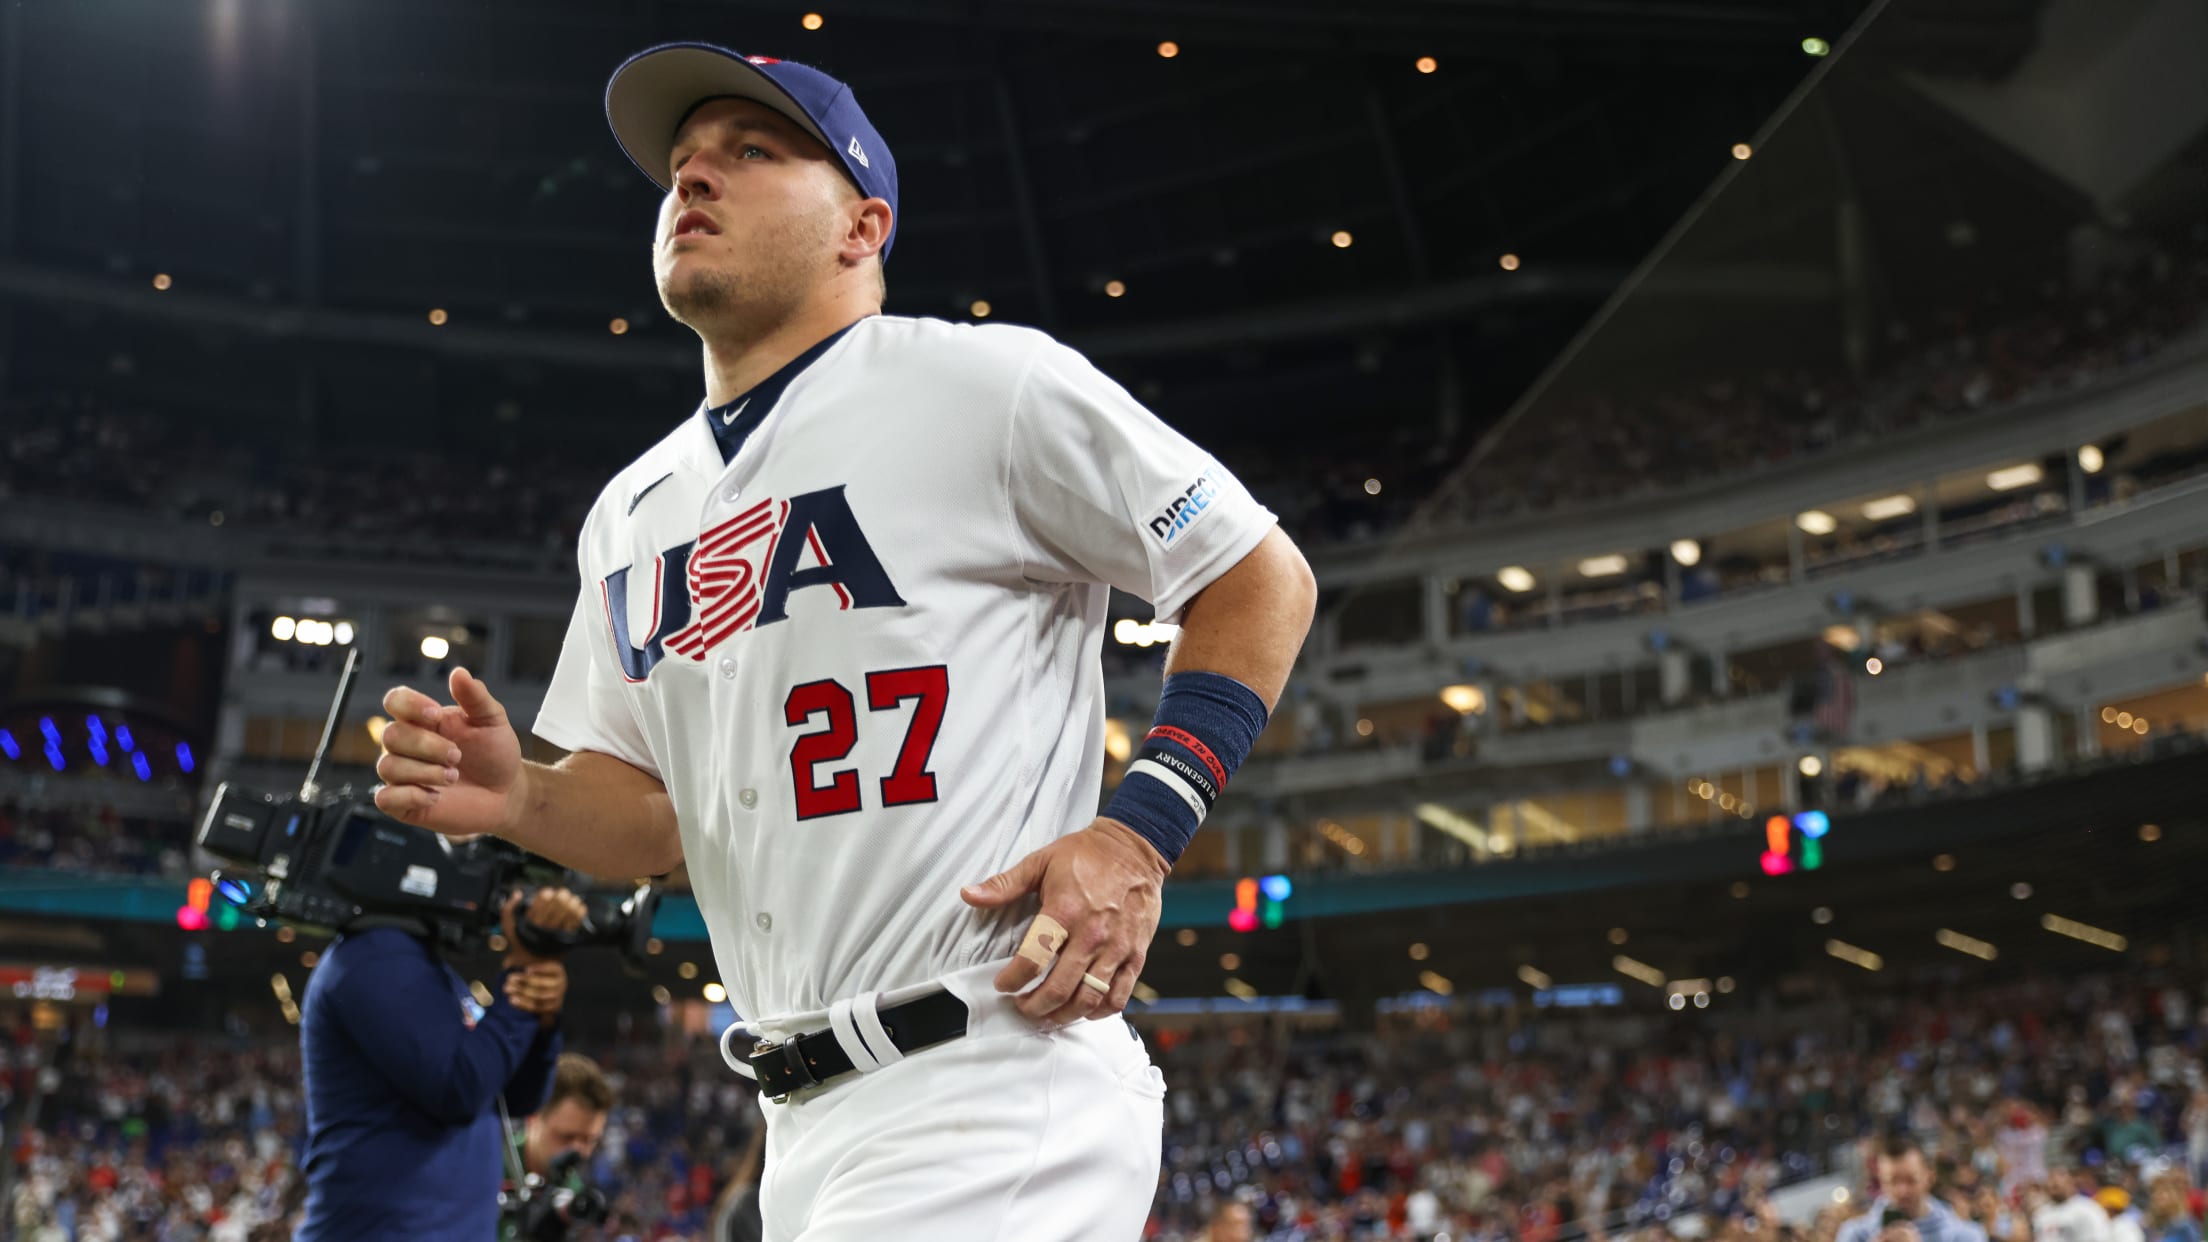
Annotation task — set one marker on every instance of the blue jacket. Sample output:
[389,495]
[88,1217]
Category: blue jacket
[402,1067]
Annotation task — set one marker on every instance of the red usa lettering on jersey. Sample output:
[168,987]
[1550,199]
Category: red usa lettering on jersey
[740,575]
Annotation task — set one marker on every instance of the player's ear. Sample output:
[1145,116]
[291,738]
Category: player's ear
[866,230]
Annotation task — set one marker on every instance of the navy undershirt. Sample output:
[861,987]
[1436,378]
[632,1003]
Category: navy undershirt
[733,422]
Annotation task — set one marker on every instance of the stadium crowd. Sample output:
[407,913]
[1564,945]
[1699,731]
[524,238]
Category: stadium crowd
[1509,1125]
[2014,345]
[1637,1128]
[93,838]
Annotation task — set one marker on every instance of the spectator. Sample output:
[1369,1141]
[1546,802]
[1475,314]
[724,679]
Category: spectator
[2168,1218]
[2066,1214]
[1230,1222]
[1905,1210]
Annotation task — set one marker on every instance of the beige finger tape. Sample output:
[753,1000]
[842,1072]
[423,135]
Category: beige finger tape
[1045,936]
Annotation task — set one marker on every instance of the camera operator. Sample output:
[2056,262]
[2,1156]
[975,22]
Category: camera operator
[572,1120]
[404,1069]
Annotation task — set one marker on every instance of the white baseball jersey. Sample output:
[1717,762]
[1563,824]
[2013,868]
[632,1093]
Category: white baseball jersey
[862,652]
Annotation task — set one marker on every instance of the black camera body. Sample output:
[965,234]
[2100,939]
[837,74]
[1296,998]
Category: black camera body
[543,1209]
[325,863]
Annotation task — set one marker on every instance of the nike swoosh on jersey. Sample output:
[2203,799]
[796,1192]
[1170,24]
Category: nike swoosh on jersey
[729,416]
[639,498]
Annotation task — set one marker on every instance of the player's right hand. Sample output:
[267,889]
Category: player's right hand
[451,768]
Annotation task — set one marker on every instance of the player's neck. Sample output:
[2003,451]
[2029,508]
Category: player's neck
[736,363]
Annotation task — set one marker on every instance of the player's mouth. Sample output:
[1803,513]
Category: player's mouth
[693,223]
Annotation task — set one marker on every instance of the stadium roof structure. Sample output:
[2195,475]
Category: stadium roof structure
[308,182]
[314,179]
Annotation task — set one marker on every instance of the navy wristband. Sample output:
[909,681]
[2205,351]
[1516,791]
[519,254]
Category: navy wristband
[1204,729]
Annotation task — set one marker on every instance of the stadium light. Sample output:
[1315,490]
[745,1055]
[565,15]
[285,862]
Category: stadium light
[1687,552]
[2009,478]
[1742,150]
[1508,262]
[435,647]
[1128,632]
[1633,968]
[1515,578]
[714,993]
[1535,978]
[1816,522]
[344,633]
[1426,64]
[1342,239]
[438,317]
[1887,507]
[1814,46]
[812,21]
[980,309]
[2091,459]
[1949,938]
[1114,288]
[1855,955]
[1602,566]
[618,326]
[1810,765]
[1464,700]
[282,629]
[1169,49]
[1372,487]
[162,282]
[2098,937]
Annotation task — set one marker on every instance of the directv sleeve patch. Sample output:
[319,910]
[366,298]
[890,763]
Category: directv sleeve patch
[1190,505]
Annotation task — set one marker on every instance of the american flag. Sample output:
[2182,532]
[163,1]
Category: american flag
[725,572]
[1835,709]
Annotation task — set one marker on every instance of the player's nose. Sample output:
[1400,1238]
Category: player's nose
[695,180]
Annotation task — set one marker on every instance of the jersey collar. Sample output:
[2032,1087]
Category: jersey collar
[732,423]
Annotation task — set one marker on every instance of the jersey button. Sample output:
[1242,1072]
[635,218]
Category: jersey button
[749,797]
[731,493]
[728,666]
[764,920]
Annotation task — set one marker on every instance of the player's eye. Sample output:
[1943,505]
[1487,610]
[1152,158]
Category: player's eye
[752,149]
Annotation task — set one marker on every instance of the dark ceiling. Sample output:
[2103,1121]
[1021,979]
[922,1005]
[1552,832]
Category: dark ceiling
[324,173]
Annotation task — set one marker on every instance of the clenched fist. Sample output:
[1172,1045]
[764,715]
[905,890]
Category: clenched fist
[449,768]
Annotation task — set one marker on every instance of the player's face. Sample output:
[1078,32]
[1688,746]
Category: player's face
[756,219]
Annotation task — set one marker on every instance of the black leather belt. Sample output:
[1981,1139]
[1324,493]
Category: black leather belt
[816,1058]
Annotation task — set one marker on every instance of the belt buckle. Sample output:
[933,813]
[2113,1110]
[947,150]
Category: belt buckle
[761,1048]
[793,1060]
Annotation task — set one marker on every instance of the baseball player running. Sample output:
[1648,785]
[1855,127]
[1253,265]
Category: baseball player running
[836,649]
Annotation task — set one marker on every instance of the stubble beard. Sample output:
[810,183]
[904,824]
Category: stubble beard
[697,299]
[773,286]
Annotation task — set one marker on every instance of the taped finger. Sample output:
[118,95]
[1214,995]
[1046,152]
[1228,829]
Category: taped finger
[1045,936]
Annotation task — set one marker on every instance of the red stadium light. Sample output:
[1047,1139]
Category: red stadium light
[1775,863]
[1242,920]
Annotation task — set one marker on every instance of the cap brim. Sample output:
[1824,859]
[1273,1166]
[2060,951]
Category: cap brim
[652,91]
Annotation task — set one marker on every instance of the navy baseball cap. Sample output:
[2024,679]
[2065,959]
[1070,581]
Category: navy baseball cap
[654,91]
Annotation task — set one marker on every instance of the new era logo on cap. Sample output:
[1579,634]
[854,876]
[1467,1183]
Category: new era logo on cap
[654,90]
